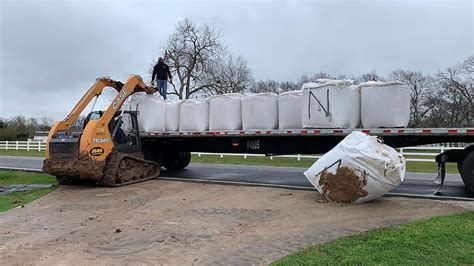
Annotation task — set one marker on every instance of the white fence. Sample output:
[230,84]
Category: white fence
[413,154]
[23,145]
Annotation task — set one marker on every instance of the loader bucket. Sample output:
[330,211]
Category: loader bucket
[81,168]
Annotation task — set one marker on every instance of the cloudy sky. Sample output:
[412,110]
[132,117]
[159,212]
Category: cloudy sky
[52,51]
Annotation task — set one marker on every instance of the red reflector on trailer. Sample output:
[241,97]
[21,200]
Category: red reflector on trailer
[269,132]
[196,133]
[470,130]
[289,131]
[258,132]
[316,131]
[337,131]
[401,130]
[242,132]
[210,133]
[387,131]
[452,131]
[426,130]
[366,131]
[304,131]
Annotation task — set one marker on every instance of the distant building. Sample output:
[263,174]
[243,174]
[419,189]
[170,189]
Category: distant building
[40,136]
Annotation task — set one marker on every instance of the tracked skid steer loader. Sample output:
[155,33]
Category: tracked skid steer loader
[102,152]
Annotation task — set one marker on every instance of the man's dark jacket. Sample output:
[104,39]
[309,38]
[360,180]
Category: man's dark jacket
[162,72]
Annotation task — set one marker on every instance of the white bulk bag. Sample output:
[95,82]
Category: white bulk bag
[259,111]
[359,169]
[151,111]
[194,115]
[172,115]
[225,112]
[334,103]
[385,104]
[289,110]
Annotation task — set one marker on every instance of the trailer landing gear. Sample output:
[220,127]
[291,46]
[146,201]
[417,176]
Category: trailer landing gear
[464,159]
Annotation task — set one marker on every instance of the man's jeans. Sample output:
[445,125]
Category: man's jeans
[162,86]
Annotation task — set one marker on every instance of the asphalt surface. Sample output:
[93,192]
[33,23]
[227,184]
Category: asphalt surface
[415,184]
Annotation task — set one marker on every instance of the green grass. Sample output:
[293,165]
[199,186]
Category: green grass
[33,153]
[423,167]
[15,199]
[445,240]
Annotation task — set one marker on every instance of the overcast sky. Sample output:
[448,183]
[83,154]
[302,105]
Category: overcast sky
[52,51]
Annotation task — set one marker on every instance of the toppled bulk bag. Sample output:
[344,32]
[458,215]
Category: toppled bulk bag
[385,104]
[194,115]
[333,103]
[259,111]
[172,115]
[359,169]
[289,110]
[225,112]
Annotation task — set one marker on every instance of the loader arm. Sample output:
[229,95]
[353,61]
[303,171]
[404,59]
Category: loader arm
[133,84]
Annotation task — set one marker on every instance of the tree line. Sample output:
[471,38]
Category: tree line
[202,65]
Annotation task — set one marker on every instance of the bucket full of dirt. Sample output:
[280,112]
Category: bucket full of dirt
[81,168]
[359,169]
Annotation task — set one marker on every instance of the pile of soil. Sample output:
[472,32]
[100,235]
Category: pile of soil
[345,186]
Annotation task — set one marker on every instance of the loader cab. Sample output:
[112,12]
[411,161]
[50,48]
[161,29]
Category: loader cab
[123,128]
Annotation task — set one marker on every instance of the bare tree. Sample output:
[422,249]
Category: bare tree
[452,105]
[200,63]
[370,76]
[230,75]
[421,86]
[265,86]
[320,75]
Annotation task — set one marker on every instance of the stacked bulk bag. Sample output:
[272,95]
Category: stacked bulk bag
[289,110]
[172,115]
[359,169]
[385,104]
[259,111]
[329,104]
[225,112]
[194,115]
[151,111]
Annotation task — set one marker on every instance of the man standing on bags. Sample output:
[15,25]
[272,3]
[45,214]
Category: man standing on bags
[162,73]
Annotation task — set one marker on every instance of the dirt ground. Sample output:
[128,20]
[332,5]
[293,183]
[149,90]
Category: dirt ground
[165,222]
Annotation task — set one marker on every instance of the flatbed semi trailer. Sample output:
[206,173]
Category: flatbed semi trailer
[173,149]
[110,150]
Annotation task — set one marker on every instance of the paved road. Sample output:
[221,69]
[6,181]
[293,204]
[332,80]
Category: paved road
[414,184]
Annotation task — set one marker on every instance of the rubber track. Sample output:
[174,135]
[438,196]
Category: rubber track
[113,166]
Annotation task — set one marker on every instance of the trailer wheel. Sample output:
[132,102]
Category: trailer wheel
[466,170]
[176,160]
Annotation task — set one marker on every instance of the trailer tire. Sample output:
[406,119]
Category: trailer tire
[466,170]
[176,160]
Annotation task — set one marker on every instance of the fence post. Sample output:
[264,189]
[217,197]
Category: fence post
[245,155]
[28,145]
[199,154]
[271,157]
[39,145]
[299,157]
[401,151]
[6,145]
[16,145]
[442,149]
[222,155]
